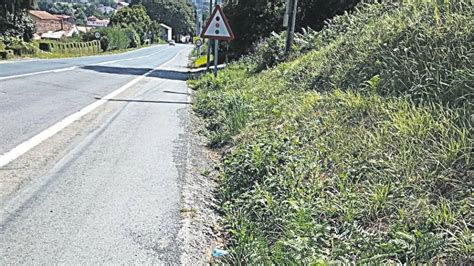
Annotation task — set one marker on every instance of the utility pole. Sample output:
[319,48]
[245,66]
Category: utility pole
[292,9]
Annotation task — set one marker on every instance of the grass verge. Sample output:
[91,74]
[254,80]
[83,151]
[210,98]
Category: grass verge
[359,150]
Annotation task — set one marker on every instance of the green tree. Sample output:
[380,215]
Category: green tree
[135,2]
[178,14]
[44,5]
[252,20]
[91,10]
[14,20]
[14,6]
[107,2]
[135,18]
[156,31]
[313,13]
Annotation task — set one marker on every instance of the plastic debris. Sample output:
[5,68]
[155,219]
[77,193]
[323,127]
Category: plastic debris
[217,252]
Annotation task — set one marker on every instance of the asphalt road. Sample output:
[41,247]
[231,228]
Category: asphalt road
[23,67]
[114,196]
[29,104]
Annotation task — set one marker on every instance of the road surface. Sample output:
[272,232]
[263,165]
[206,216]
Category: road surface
[106,187]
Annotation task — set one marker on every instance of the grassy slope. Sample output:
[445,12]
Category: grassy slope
[360,150]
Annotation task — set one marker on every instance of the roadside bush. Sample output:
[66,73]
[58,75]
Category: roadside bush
[18,46]
[135,18]
[104,43]
[112,38]
[6,54]
[269,53]
[133,37]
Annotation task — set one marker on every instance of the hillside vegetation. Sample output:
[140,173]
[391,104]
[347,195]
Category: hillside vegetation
[357,149]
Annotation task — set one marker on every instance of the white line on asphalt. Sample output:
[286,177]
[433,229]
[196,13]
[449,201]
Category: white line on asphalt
[64,69]
[75,67]
[24,147]
[19,61]
[68,58]
[35,73]
[129,59]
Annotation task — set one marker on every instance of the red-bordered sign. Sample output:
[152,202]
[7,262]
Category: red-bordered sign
[217,27]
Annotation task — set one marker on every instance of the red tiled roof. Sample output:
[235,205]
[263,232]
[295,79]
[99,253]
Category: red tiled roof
[42,15]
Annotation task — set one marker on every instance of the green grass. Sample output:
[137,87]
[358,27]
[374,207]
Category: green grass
[357,150]
[71,55]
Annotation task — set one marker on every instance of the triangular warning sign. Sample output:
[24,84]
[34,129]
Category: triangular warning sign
[217,27]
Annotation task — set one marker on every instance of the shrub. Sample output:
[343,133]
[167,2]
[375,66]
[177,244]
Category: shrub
[112,38]
[133,37]
[135,18]
[16,25]
[20,47]
[7,54]
[269,53]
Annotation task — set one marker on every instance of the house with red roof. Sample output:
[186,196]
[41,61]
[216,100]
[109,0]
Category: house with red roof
[53,25]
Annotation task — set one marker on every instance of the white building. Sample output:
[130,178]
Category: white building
[106,9]
[121,5]
[167,32]
[98,23]
[56,35]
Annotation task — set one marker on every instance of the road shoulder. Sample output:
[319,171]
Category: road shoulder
[198,233]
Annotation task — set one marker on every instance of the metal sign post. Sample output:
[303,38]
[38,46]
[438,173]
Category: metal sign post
[217,28]
[199,45]
[216,56]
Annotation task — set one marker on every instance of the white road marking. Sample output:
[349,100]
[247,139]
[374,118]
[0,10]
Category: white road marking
[24,147]
[129,59]
[64,69]
[32,74]
[75,67]
[19,61]
[68,58]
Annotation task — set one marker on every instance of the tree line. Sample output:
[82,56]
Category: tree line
[179,14]
[253,20]
[14,21]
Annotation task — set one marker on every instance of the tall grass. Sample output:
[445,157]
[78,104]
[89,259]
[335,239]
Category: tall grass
[357,150]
